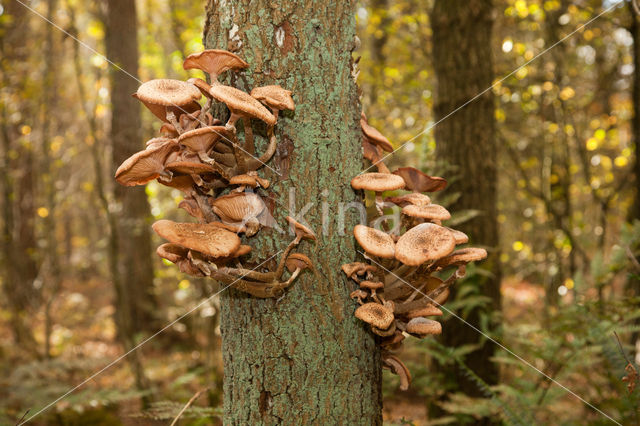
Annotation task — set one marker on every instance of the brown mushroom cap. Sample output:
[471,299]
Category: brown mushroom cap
[172,252]
[374,136]
[300,230]
[413,198]
[201,237]
[375,314]
[238,206]
[424,242]
[144,166]
[420,182]
[463,256]
[189,167]
[241,103]
[274,97]
[372,285]
[298,261]
[357,268]
[159,94]
[202,139]
[250,179]
[394,364]
[429,310]
[424,326]
[375,242]
[214,62]
[378,182]
[202,85]
[461,237]
[429,211]
[182,183]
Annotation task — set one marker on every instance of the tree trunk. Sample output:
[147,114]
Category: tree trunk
[467,139]
[135,303]
[303,359]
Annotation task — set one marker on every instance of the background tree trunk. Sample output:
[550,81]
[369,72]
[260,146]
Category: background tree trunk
[463,65]
[135,302]
[304,359]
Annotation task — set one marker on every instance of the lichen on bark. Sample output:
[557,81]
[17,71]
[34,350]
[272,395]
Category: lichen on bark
[303,359]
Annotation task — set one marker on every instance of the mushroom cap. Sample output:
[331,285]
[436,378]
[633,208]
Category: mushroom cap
[172,252]
[357,268]
[412,198]
[167,130]
[372,285]
[190,205]
[241,103]
[370,151]
[201,237]
[300,230]
[429,310]
[375,242]
[202,139]
[394,364]
[298,261]
[461,237]
[420,182]
[424,326]
[424,242]
[250,179]
[274,97]
[463,256]
[189,167]
[429,211]
[238,206]
[375,314]
[145,166]
[156,142]
[166,92]
[378,182]
[202,85]
[214,62]
[242,250]
[182,183]
[374,136]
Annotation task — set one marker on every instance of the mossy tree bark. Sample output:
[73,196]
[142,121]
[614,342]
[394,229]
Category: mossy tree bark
[303,359]
[467,139]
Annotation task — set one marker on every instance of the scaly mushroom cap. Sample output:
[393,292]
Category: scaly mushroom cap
[238,206]
[202,85]
[430,211]
[420,182]
[378,182]
[424,242]
[250,179]
[427,311]
[374,136]
[300,230]
[413,198]
[375,242]
[298,261]
[156,142]
[172,252]
[462,257]
[375,314]
[202,139]
[461,237]
[145,166]
[241,103]
[357,268]
[159,94]
[201,237]
[424,326]
[189,167]
[214,62]
[274,97]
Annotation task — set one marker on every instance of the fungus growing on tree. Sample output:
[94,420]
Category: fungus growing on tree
[397,282]
[213,168]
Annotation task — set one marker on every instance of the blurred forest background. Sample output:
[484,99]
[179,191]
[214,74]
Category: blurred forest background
[567,125]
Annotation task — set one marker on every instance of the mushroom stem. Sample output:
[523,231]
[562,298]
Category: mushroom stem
[202,118]
[265,277]
[285,254]
[174,122]
[255,164]
[248,136]
[293,276]
[382,168]
[231,123]
[379,203]
[241,164]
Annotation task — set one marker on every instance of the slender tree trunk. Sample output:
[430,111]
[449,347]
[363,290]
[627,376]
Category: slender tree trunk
[136,302]
[463,65]
[303,359]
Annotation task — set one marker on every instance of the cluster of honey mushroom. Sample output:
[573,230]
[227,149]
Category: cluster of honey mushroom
[205,159]
[398,289]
